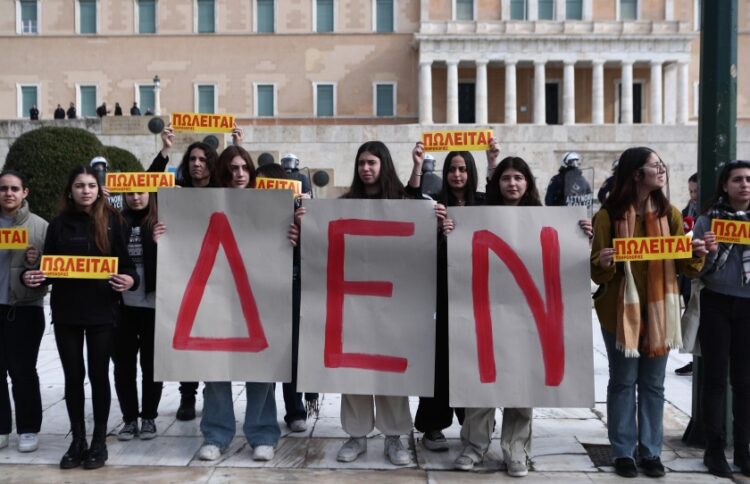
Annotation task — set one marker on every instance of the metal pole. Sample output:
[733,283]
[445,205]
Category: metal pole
[717,136]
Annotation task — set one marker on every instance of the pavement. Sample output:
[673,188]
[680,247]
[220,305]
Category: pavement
[559,448]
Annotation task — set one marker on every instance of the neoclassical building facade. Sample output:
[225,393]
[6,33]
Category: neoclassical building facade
[364,61]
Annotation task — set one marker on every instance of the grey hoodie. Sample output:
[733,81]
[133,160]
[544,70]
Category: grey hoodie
[728,280]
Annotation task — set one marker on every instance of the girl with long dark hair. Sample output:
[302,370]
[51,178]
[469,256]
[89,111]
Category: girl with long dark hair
[86,309]
[135,333]
[724,331]
[638,307]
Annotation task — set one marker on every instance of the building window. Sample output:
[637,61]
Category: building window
[265,15]
[574,9]
[518,9]
[464,9]
[206,16]
[265,100]
[324,17]
[384,16]
[325,100]
[205,98]
[385,99]
[87,101]
[546,9]
[28,96]
[146,98]
[27,19]
[87,21]
[146,16]
[628,9]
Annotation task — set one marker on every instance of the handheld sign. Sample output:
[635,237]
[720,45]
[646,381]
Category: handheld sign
[731,231]
[14,238]
[652,248]
[140,181]
[202,123]
[279,184]
[464,140]
[78,267]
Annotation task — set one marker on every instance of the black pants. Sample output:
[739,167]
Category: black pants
[21,331]
[99,341]
[724,336]
[295,409]
[189,389]
[136,334]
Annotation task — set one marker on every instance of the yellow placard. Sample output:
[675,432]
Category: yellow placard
[279,184]
[463,140]
[14,238]
[653,248]
[202,123]
[78,267]
[139,181]
[731,231]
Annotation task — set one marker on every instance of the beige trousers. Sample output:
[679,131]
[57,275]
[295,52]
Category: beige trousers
[358,416]
[515,438]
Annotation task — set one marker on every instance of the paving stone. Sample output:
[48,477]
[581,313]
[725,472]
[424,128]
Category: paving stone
[321,454]
[557,445]
[566,462]
[161,451]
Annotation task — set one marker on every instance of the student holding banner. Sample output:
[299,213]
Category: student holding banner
[375,177]
[638,307]
[86,308]
[724,331]
[235,169]
[21,315]
[513,184]
[135,333]
[195,170]
[459,188]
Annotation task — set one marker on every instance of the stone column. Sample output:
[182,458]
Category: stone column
[560,10]
[569,93]
[670,93]
[626,98]
[510,92]
[480,98]
[505,10]
[540,93]
[452,95]
[669,10]
[532,10]
[597,92]
[157,98]
[655,108]
[588,9]
[425,92]
[682,93]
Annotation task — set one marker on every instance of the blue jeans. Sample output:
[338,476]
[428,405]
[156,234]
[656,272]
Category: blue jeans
[218,425]
[625,374]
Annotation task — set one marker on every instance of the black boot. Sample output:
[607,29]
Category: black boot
[187,408]
[717,463]
[742,458]
[98,451]
[78,448]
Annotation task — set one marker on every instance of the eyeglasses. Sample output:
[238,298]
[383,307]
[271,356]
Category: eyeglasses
[459,169]
[659,166]
[10,188]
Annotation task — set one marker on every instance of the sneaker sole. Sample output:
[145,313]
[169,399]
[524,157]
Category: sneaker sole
[125,438]
[518,474]
[463,467]
[28,449]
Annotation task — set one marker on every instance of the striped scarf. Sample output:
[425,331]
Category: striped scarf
[725,212]
[658,330]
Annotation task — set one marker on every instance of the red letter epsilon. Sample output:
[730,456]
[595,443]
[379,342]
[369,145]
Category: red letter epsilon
[218,232]
[337,287]
[549,323]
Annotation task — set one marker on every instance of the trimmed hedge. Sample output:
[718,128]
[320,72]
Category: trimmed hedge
[121,159]
[48,154]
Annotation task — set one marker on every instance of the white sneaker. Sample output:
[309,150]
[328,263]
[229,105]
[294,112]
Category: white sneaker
[518,468]
[209,452]
[263,453]
[28,442]
[395,451]
[4,440]
[298,425]
[352,448]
